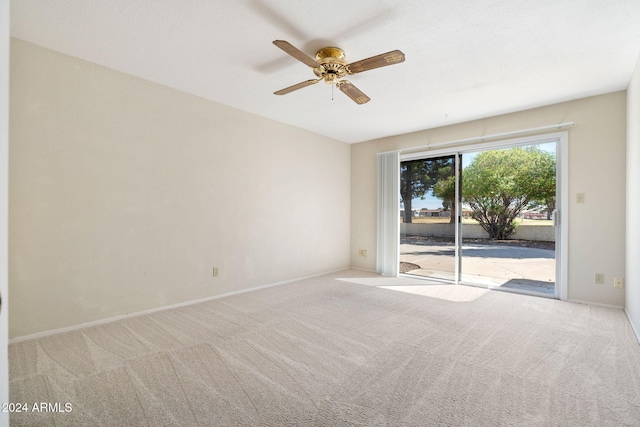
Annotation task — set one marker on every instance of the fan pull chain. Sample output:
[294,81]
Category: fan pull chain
[332,92]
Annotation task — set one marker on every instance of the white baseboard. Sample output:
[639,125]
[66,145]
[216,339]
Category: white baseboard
[163,308]
[596,304]
[633,328]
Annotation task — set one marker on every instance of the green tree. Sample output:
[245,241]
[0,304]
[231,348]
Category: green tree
[499,184]
[417,178]
[546,180]
[445,189]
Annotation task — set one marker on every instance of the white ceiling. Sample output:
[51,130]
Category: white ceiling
[464,59]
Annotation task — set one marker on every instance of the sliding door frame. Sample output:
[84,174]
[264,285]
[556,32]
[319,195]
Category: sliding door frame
[562,206]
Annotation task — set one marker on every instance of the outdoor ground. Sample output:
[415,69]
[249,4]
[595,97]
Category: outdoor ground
[514,264]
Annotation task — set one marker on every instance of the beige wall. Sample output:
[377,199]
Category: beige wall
[596,168]
[632,303]
[124,194]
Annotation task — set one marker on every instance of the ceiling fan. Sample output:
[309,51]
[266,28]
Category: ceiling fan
[331,66]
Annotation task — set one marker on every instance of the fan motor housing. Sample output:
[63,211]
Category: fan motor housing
[332,64]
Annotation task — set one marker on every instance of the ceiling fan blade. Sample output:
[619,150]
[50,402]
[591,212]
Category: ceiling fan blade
[353,92]
[296,53]
[296,87]
[382,60]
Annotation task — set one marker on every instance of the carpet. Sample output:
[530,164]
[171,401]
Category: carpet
[349,348]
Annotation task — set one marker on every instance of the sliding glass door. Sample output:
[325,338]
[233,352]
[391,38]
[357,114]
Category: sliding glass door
[483,217]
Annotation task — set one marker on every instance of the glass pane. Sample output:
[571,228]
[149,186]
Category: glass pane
[508,237]
[427,219]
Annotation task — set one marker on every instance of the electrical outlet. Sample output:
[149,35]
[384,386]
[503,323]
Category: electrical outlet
[618,282]
[362,252]
[599,279]
[215,272]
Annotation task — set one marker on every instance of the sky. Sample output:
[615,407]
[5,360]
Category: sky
[431,202]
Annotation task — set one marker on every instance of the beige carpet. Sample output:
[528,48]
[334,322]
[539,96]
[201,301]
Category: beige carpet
[349,348]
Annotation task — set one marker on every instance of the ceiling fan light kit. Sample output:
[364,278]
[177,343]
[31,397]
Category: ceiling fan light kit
[331,66]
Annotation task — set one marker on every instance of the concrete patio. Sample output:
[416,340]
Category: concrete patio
[489,264]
